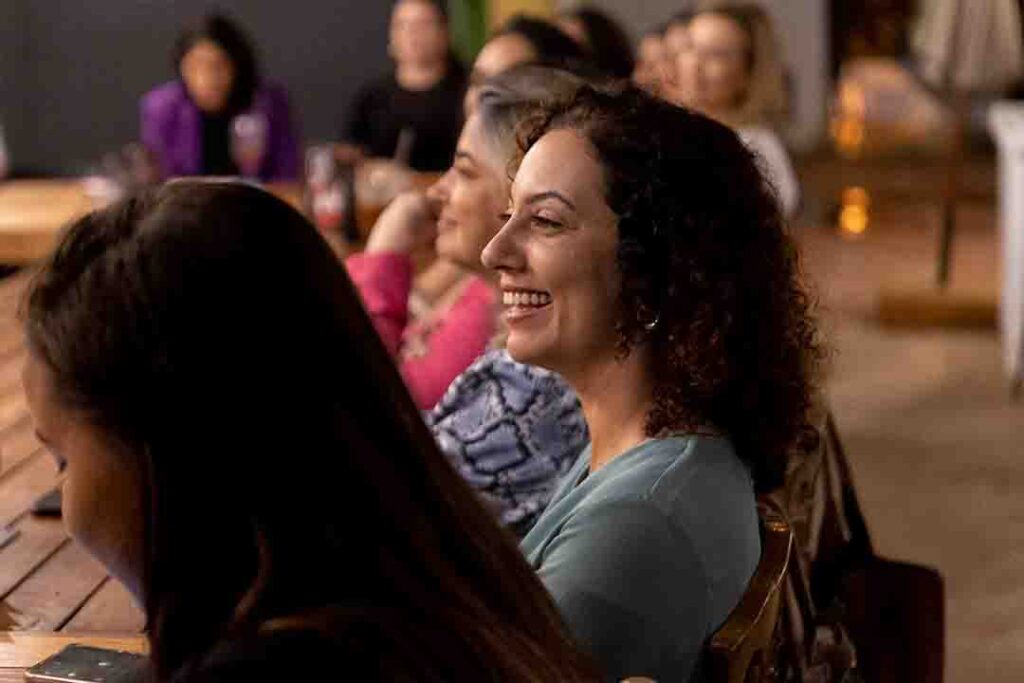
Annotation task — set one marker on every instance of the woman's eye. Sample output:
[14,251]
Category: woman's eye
[546,223]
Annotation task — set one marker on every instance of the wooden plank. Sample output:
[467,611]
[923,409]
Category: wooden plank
[10,372]
[18,443]
[38,540]
[20,650]
[12,409]
[55,592]
[11,338]
[112,609]
[20,487]
[11,291]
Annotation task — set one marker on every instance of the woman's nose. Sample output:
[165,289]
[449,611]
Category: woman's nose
[438,193]
[502,252]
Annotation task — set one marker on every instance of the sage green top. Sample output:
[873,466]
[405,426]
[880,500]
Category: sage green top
[647,556]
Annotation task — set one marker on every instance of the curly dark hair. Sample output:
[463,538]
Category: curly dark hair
[710,277]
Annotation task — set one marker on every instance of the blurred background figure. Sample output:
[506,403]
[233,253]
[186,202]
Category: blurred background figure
[675,40]
[4,165]
[727,66]
[649,70]
[523,40]
[604,41]
[413,115]
[218,117]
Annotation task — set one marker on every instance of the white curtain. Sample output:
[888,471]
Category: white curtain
[970,45]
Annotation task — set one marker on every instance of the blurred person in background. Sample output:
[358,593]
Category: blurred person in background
[187,124]
[4,160]
[675,40]
[523,40]
[414,114]
[239,451]
[727,66]
[605,42]
[651,61]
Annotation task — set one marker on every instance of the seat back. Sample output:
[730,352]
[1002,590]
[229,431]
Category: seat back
[743,650]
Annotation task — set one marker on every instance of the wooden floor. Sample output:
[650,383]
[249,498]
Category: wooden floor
[47,583]
[936,444]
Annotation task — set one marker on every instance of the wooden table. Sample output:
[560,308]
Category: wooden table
[33,213]
[47,582]
[20,651]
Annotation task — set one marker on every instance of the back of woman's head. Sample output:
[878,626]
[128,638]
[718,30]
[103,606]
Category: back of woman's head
[209,329]
[766,99]
[552,47]
[703,254]
[229,37]
[608,46]
[506,99]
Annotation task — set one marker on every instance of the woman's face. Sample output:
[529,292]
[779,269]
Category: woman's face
[650,63]
[102,489]
[418,33]
[556,256]
[471,194]
[209,75]
[498,55]
[712,67]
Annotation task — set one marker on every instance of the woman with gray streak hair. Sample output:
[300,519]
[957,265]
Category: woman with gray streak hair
[510,429]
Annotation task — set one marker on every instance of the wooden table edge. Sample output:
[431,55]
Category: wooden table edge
[23,649]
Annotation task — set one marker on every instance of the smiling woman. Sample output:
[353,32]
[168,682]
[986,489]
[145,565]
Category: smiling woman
[511,430]
[644,259]
[459,214]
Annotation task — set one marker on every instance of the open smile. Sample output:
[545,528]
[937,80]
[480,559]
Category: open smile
[523,303]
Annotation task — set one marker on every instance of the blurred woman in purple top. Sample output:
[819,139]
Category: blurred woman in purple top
[188,123]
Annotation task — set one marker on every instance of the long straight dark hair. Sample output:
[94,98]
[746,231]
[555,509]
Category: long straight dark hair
[226,34]
[207,327]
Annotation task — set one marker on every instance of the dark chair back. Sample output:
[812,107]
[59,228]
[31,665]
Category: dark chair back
[744,648]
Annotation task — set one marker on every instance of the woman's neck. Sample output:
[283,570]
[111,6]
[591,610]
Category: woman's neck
[421,76]
[616,395]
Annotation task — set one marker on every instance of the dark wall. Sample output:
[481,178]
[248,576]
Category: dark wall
[71,72]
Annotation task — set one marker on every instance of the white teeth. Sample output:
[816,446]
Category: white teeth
[525,298]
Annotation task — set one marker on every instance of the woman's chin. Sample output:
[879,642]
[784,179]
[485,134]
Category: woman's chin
[524,351]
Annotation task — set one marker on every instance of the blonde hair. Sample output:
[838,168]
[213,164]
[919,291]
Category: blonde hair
[766,99]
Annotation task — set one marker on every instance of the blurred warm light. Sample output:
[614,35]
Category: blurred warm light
[848,121]
[853,214]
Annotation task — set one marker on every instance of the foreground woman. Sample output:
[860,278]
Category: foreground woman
[644,260]
[241,453]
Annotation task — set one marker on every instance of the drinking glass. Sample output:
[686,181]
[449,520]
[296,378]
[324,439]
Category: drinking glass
[248,143]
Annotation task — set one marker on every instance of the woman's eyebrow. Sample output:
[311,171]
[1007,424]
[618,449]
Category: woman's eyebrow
[550,194]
